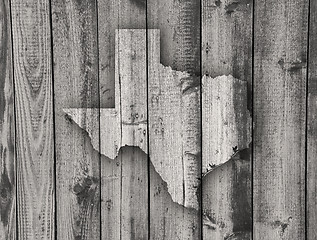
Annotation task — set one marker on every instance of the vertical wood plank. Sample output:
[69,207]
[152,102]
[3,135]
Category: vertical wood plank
[131,71]
[174,148]
[34,119]
[7,129]
[76,85]
[123,141]
[226,117]
[120,14]
[179,24]
[311,224]
[279,119]
[226,124]
[228,186]
[227,38]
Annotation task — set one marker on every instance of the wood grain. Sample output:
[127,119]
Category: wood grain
[227,197]
[174,146]
[225,119]
[34,119]
[124,125]
[279,119]
[227,39]
[112,15]
[131,71]
[116,120]
[179,25]
[125,182]
[311,211]
[226,110]
[226,125]
[122,14]
[7,129]
[76,85]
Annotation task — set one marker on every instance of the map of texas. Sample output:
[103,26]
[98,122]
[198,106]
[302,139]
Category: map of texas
[161,106]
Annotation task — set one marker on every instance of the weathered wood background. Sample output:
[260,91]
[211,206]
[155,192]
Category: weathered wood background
[158,119]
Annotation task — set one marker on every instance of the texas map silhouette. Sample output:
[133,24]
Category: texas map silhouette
[159,104]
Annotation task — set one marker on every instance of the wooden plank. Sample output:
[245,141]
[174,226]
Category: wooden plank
[34,119]
[174,148]
[7,129]
[311,213]
[226,109]
[226,120]
[124,199]
[279,119]
[121,14]
[227,39]
[179,24]
[109,145]
[228,186]
[132,77]
[227,125]
[76,85]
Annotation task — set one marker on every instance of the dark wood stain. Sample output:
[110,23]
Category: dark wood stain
[234,6]
[86,189]
[230,180]
[6,197]
[241,199]
[180,33]
[140,3]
